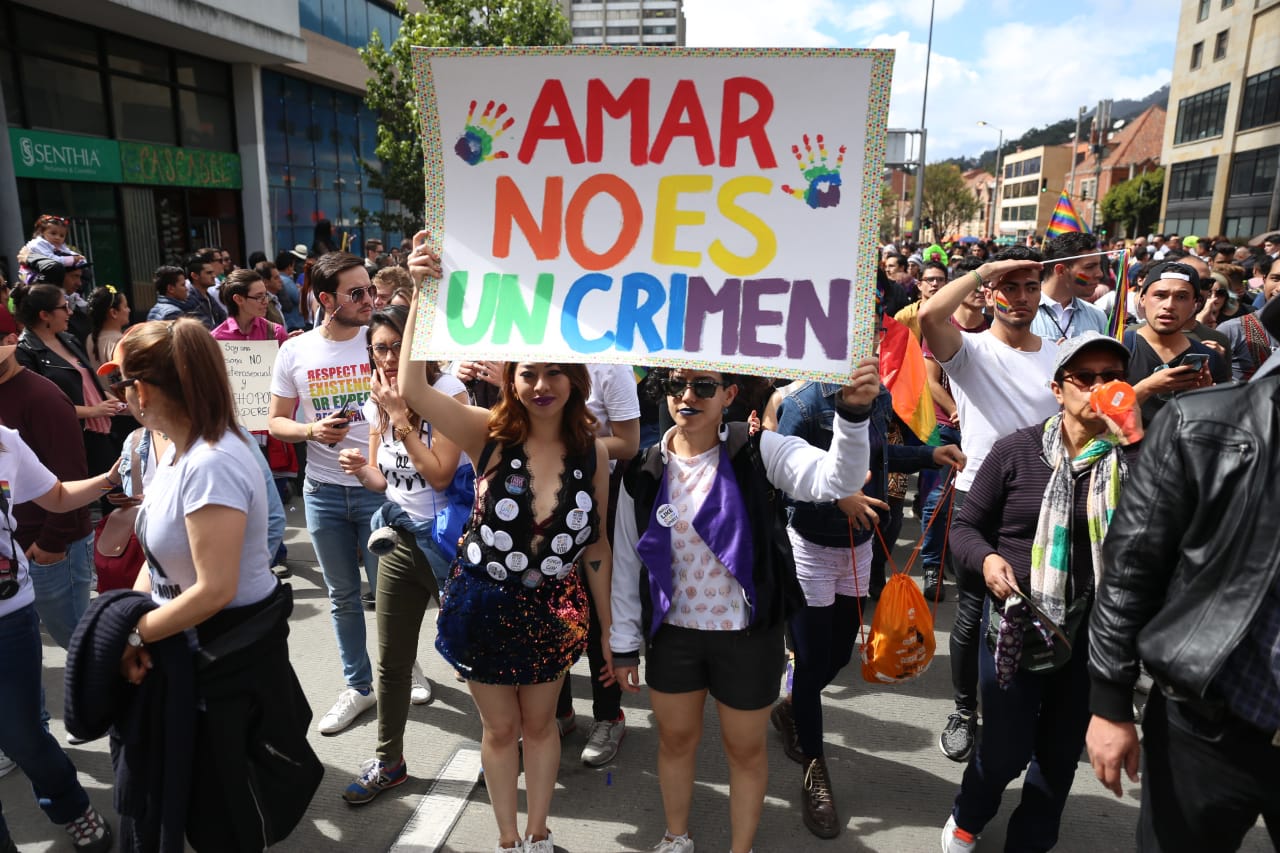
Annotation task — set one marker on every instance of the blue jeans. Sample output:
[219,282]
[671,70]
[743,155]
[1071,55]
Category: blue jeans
[1040,720]
[62,589]
[22,737]
[391,514]
[338,521]
[936,534]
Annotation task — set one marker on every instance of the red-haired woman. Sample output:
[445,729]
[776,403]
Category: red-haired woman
[514,617]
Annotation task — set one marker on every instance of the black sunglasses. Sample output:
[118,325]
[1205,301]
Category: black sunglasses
[118,388]
[703,388]
[1087,378]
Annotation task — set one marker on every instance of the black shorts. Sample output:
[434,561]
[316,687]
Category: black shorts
[742,669]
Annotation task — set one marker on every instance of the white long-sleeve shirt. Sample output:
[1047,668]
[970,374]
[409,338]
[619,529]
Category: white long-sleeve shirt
[791,464]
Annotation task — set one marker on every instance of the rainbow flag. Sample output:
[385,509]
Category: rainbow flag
[1120,311]
[902,371]
[1064,219]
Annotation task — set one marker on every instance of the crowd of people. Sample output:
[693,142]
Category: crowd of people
[729,531]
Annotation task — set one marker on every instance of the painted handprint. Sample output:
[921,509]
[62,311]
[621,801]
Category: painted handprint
[822,182]
[475,146]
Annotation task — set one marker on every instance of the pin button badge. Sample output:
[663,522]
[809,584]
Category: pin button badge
[502,540]
[506,509]
[496,571]
[667,515]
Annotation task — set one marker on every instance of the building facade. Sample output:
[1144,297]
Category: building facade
[163,127]
[1029,189]
[651,23]
[1131,151]
[1221,146]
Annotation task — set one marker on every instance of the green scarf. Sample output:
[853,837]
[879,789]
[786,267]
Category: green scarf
[1051,548]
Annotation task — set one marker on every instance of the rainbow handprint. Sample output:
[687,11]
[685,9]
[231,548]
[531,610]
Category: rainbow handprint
[475,145]
[822,182]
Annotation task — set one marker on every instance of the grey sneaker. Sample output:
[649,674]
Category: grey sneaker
[603,742]
[957,739]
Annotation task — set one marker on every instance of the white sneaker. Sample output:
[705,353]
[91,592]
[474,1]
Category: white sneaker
[546,845]
[955,839]
[674,845]
[6,764]
[420,687]
[603,742]
[351,704]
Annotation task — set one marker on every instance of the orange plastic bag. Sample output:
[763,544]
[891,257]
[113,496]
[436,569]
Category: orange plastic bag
[901,643]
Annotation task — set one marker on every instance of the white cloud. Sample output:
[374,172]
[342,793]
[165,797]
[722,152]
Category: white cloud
[1025,66]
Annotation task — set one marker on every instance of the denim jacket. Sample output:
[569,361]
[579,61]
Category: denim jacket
[808,413]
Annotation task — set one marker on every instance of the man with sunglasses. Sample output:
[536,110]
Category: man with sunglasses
[326,373]
[1000,382]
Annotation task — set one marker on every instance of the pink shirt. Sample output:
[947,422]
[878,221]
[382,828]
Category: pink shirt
[261,329]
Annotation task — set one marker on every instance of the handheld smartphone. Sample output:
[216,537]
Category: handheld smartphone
[1197,361]
[344,413]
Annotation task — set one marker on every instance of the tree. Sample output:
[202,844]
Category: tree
[445,23]
[1135,204]
[947,202]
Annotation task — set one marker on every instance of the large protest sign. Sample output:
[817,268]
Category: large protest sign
[713,208]
[249,366]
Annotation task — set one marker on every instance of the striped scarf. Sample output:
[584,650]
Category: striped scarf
[1051,548]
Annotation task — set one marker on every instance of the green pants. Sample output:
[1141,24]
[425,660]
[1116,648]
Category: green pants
[406,585]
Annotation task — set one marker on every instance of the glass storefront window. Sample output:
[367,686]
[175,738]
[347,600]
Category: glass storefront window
[202,73]
[9,84]
[135,57]
[357,23]
[206,120]
[63,97]
[63,39]
[333,19]
[309,15]
[142,111]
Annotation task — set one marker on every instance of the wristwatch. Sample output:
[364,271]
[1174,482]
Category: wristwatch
[135,639]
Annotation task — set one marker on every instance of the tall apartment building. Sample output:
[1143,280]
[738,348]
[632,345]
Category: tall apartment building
[1222,145]
[1029,189]
[651,23]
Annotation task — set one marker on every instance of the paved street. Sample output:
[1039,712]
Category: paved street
[893,787]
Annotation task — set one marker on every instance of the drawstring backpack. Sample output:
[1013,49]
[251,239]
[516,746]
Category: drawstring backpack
[900,643]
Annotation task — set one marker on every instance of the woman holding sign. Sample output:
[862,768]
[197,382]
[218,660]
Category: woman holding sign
[705,578]
[514,616]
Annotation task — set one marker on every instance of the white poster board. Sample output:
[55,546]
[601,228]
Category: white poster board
[249,366]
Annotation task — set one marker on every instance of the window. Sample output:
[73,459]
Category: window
[199,73]
[1203,14]
[351,22]
[1261,103]
[1254,172]
[1088,189]
[63,97]
[1192,180]
[1227,4]
[206,120]
[142,111]
[1197,54]
[1201,116]
[1220,45]
[141,60]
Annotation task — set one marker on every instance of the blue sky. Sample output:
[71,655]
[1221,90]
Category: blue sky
[1013,64]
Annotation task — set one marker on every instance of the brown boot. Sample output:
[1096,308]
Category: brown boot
[785,722]
[819,806]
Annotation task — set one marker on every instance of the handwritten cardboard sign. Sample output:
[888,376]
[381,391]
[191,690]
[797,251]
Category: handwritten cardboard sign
[712,208]
[249,366]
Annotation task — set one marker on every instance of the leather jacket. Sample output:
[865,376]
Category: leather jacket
[1192,548]
[34,355]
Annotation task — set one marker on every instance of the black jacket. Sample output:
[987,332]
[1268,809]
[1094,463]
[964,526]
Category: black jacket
[34,355]
[1192,547]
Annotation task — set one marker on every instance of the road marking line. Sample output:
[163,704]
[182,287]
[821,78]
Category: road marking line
[431,822]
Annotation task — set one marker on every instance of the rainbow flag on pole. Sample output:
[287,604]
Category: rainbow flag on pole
[1119,312]
[1064,219]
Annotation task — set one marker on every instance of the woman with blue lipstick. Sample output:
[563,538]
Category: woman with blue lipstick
[704,577]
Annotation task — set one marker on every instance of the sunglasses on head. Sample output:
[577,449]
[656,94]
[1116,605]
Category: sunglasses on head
[703,388]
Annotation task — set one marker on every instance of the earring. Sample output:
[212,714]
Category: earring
[142,413]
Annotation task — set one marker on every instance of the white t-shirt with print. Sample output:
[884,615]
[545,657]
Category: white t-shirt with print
[220,474]
[613,397]
[22,478]
[405,486]
[705,595]
[324,375]
[997,389]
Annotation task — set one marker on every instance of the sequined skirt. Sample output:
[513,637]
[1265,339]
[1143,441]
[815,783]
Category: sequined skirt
[505,633]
